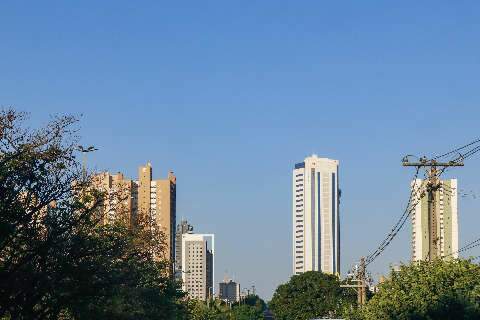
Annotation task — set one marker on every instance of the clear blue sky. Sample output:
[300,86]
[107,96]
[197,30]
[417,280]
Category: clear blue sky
[230,94]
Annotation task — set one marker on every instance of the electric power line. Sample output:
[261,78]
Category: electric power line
[401,222]
[409,208]
[457,149]
[468,246]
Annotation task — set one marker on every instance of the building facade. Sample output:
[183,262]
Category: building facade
[182,228]
[198,265]
[316,220]
[442,228]
[157,199]
[145,198]
[120,194]
[229,291]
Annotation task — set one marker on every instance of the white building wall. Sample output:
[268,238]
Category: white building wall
[319,227]
[194,267]
[447,196]
[454,199]
[298,221]
[417,231]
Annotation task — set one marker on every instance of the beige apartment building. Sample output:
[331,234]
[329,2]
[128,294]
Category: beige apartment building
[143,198]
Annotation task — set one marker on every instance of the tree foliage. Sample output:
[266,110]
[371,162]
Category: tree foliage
[311,295]
[250,308]
[428,290]
[57,261]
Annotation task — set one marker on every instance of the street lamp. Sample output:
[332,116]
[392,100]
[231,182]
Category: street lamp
[84,151]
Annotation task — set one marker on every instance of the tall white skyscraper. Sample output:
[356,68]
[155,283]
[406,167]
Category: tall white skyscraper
[435,235]
[316,224]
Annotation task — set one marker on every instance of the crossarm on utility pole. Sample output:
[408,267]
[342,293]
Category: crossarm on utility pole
[433,184]
[433,163]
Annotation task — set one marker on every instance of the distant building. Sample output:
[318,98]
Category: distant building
[143,198]
[229,291]
[316,224]
[198,265]
[183,228]
[442,228]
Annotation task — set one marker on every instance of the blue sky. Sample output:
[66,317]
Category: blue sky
[230,94]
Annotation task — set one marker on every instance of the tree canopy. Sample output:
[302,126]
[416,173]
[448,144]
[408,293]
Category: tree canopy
[428,290]
[250,308]
[311,295]
[57,261]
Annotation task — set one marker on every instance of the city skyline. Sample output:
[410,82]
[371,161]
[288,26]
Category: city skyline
[229,96]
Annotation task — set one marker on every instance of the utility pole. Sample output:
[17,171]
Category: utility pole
[362,290]
[432,185]
[360,283]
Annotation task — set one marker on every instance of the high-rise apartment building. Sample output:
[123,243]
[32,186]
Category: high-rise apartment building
[316,224]
[437,232]
[120,193]
[157,200]
[198,265]
[145,198]
[182,228]
[229,291]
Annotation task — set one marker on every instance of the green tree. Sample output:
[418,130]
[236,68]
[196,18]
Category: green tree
[56,260]
[215,310]
[247,312]
[255,301]
[428,290]
[311,295]
[250,308]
